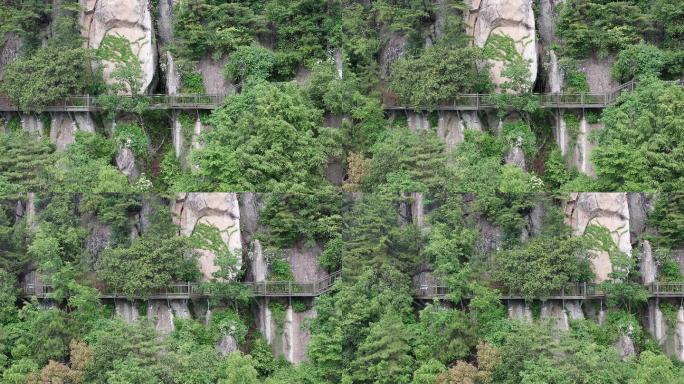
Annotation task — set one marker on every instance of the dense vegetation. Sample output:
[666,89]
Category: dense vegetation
[344,178]
[336,50]
[368,329]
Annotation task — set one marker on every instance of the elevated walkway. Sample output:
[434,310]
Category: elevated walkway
[196,290]
[578,291]
[462,102]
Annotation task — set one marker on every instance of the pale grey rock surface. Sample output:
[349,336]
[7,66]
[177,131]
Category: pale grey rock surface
[219,210]
[512,18]
[609,210]
[130,19]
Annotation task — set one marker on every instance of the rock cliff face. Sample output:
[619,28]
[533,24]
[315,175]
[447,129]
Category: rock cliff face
[598,74]
[668,332]
[126,310]
[162,313]
[609,210]
[32,124]
[130,19]
[63,127]
[546,22]
[9,50]
[452,125]
[212,76]
[512,18]
[218,210]
[289,339]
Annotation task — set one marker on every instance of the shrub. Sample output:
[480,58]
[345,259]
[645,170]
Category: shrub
[47,75]
[639,60]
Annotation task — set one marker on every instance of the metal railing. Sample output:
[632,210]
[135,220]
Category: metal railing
[666,289]
[86,103]
[293,288]
[569,291]
[316,288]
[190,290]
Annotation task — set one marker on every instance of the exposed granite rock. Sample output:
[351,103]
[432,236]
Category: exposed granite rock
[173,81]
[577,150]
[519,310]
[417,210]
[126,310]
[303,76]
[512,18]
[180,309]
[573,309]
[226,345]
[99,239]
[546,22]
[491,237]
[220,210]
[417,121]
[212,76]
[647,264]
[585,146]
[62,130]
[516,156]
[639,208]
[679,335]
[63,127]
[125,162]
[451,126]
[303,260]
[672,341]
[32,124]
[9,50]
[130,19]
[625,345]
[609,210]
[296,336]
[165,21]
[161,316]
[394,48]
[424,277]
[599,75]
[553,311]
[292,339]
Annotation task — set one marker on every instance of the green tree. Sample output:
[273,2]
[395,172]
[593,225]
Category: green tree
[147,264]
[216,28]
[438,75]
[668,218]
[655,368]
[35,80]
[303,29]
[24,161]
[404,161]
[249,62]
[602,27]
[13,239]
[443,334]
[129,371]
[128,353]
[364,119]
[639,149]
[267,138]
[240,370]
[24,19]
[639,60]
[384,357]
[315,216]
[543,264]
[375,238]
[86,166]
